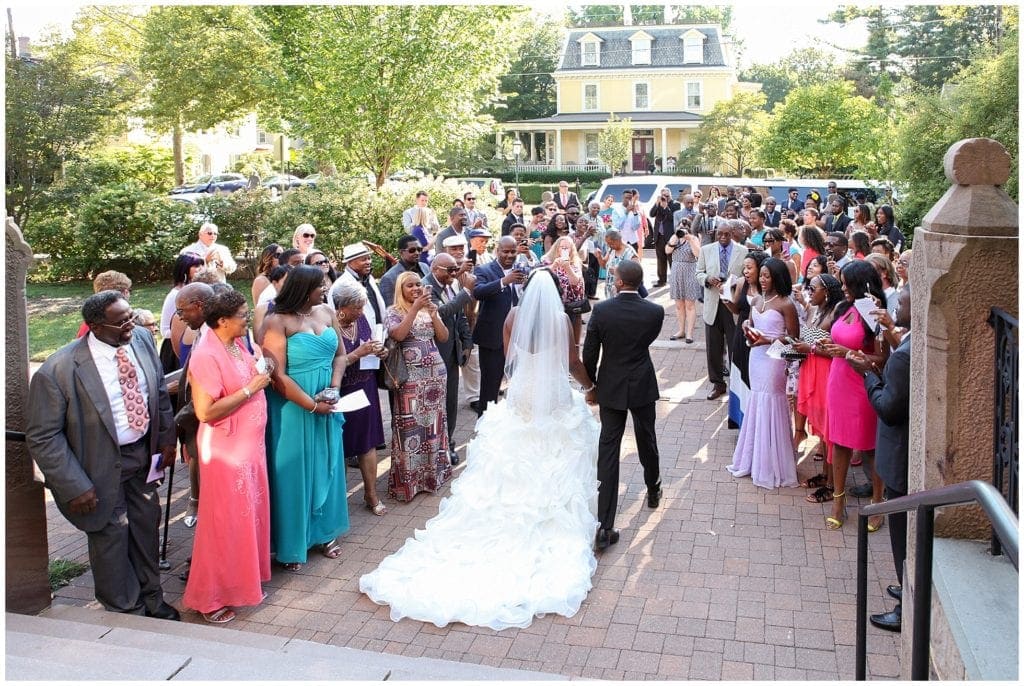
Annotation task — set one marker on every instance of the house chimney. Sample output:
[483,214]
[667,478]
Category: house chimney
[24,48]
[627,15]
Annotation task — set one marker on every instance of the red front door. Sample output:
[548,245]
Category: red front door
[643,153]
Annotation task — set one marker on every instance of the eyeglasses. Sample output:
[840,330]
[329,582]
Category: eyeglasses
[468,199]
[211,233]
[321,263]
[309,235]
[414,248]
[122,325]
[811,289]
[247,316]
[451,270]
[766,241]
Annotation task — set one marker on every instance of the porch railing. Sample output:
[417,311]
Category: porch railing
[1005,465]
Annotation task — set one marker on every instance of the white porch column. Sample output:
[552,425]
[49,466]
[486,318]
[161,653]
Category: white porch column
[558,147]
[533,146]
[497,143]
[664,148]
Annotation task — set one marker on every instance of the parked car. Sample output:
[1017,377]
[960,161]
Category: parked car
[212,183]
[492,185]
[282,182]
[312,180]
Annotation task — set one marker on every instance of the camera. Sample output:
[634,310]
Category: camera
[680,233]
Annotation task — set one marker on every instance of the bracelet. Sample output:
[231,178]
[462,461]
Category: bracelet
[248,393]
[588,390]
[315,403]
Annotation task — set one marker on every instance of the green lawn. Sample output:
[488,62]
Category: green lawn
[54,310]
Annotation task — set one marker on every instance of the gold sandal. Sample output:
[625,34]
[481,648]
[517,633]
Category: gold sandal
[832,523]
[379,509]
[872,528]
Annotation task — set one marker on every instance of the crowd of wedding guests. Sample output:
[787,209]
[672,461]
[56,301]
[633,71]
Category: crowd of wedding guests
[806,320]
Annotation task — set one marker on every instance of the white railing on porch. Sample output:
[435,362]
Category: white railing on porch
[550,166]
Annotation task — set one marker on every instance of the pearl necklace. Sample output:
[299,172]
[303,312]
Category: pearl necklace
[233,350]
[764,304]
[349,331]
[304,314]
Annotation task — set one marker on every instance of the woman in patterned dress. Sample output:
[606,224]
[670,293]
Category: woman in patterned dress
[419,444]
[566,265]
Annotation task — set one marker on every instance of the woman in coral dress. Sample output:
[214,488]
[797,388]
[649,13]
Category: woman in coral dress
[231,551]
[764,447]
[851,418]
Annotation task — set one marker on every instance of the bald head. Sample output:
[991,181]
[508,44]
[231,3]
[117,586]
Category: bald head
[191,303]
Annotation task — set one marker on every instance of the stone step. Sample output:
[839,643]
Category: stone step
[105,660]
[203,652]
[977,597]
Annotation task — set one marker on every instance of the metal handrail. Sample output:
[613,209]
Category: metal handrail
[1004,524]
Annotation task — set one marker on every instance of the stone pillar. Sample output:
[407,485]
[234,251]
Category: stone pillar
[558,147]
[28,585]
[965,262]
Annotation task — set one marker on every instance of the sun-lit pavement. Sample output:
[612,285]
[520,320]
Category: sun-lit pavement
[723,581]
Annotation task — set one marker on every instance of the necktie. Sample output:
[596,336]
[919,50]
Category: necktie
[372,297]
[134,403]
[723,261]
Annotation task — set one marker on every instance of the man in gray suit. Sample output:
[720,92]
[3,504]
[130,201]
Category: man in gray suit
[716,262]
[451,306]
[99,415]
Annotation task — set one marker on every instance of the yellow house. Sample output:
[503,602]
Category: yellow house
[662,78]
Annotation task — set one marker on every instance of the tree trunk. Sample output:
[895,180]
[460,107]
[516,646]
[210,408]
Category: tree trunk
[179,162]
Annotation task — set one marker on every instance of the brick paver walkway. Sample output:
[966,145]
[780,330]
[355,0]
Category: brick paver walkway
[724,581]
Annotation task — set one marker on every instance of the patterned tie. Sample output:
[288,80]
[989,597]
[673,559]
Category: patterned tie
[134,403]
[723,261]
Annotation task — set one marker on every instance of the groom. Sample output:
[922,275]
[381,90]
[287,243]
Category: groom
[621,330]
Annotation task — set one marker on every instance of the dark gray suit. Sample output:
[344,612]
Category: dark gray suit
[456,349]
[390,278]
[889,394]
[72,437]
[620,332]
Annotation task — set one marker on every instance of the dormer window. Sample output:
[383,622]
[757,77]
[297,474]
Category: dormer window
[590,50]
[641,42]
[693,47]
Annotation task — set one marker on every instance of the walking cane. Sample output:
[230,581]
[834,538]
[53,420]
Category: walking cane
[164,564]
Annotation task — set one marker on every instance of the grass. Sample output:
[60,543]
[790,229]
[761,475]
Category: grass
[63,571]
[54,310]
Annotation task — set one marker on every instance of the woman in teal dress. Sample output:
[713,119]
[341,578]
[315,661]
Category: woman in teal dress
[308,499]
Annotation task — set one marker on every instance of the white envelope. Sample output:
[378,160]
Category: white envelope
[155,474]
[356,400]
[865,306]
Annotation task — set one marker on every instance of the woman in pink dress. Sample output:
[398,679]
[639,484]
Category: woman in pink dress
[231,551]
[764,449]
[851,419]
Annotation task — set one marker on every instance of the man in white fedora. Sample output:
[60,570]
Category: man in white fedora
[358,267]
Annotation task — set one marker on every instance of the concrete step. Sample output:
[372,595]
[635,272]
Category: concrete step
[975,598]
[87,642]
[104,660]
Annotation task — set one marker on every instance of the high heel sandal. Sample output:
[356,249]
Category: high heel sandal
[872,528]
[192,513]
[379,509]
[796,443]
[832,523]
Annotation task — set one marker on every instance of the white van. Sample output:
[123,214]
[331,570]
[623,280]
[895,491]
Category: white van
[648,187]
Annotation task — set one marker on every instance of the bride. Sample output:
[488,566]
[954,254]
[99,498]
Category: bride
[514,539]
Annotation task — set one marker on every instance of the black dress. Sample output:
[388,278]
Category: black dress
[739,384]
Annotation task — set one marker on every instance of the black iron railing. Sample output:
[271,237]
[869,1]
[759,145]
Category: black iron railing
[1005,470]
[1004,526]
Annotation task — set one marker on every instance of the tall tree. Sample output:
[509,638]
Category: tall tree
[378,86]
[612,15]
[205,65]
[614,141]
[528,89]
[727,138]
[56,111]
[822,130]
[801,67]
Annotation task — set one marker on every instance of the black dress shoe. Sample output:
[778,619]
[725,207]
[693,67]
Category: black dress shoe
[890,621]
[453,457]
[475,406]
[716,393]
[862,491]
[382,446]
[605,538]
[895,590]
[165,611]
[653,497]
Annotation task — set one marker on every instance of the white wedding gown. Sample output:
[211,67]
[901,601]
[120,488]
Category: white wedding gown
[514,539]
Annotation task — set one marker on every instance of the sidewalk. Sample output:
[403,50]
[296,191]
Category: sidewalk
[723,581]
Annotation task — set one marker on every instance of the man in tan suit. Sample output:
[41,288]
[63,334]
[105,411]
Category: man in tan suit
[716,262]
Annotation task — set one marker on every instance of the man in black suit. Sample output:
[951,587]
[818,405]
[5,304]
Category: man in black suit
[620,332]
[515,216]
[565,199]
[889,394]
[497,289]
[793,202]
[772,216]
[662,213]
[837,219]
[99,415]
[451,306]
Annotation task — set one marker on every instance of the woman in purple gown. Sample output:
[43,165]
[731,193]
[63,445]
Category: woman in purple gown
[364,429]
[764,449]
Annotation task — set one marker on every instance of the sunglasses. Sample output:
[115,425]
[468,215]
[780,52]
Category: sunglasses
[766,241]
[414,249]
[451,270]
[811,289]
[309,235]
[468,199]
[321,263]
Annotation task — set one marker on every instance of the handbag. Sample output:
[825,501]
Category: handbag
[577,307]
[396,372]
[185,419]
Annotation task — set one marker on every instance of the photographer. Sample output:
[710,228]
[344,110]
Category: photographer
[684,247]
[662,212]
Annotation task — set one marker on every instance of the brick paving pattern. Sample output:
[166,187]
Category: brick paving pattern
[725,581]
